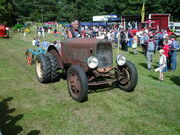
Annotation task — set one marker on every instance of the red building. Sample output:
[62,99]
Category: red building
[155,21]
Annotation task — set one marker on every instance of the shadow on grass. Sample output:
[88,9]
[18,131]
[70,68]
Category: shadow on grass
[131,53]
[143,53]
[34,132]
[144,65]
[63,76]
[58,78]
[7,37]
[101,88]
[8,122]
[175,79]
[154,77]
[105,87]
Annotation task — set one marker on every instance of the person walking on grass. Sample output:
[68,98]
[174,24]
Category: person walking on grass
[162,65]
[150,52]
[174,48]
[143,42]
[123,40]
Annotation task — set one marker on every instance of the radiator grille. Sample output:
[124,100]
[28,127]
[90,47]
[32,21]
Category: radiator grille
[104,55]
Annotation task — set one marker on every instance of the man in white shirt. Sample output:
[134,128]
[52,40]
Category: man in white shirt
[34,42]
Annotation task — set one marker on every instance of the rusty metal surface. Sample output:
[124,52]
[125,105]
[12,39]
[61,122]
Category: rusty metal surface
[125,76]
[83,42]
[98,78]
[74,85]
[102,82]
[76,51]
[104,70]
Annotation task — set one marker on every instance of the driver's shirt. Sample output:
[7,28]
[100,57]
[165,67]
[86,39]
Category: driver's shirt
[76,34]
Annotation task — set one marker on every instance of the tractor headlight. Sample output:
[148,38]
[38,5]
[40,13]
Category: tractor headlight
[92,62]
[121,60]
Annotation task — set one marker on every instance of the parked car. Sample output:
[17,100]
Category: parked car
[86,62]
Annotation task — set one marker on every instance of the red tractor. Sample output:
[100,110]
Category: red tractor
[87,62]
[152,22]
[4,31]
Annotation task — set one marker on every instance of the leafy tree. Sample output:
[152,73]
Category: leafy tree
[83,10]
[6,12]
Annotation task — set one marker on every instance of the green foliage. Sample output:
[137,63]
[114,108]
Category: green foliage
[83,10]
[6,12]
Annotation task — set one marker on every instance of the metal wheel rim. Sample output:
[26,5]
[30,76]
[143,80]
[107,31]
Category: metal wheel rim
[126,77]
[38,69]
[74,85]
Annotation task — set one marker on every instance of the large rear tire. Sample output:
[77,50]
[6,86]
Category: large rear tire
[77,83]
[42,68]
[129,77]
[53,67]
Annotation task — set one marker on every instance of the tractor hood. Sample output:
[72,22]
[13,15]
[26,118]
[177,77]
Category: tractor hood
[83,42]
[76,51]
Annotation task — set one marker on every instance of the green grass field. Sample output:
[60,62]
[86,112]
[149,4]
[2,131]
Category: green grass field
[30,108]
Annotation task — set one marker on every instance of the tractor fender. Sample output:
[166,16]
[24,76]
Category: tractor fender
[53,50]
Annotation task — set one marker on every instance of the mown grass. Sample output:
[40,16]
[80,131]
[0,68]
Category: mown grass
[30,108]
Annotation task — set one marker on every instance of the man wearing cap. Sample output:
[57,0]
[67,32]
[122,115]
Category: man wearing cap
[151,45]
[74,31]
[45,44]
[143,41]
[174,47]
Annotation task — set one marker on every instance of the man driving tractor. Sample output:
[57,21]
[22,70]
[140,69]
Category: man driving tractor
[74,31]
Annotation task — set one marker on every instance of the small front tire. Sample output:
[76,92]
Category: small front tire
[128,79]
[77,83]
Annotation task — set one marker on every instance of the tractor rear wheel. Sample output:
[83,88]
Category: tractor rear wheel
[42,68]
[53,67]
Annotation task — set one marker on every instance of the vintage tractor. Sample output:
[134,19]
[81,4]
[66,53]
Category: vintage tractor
[32,53]
[4,31]
[86,62]
[18,28]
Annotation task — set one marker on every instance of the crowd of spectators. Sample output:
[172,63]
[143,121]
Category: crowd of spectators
[45,44]
[149,41]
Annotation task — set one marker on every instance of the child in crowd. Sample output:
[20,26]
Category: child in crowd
[135,43]
[166,49]
[162,65]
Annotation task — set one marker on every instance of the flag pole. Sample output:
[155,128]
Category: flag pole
[143,11]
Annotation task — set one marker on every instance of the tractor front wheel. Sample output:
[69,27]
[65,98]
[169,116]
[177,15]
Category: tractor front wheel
[77,83]
[127,76]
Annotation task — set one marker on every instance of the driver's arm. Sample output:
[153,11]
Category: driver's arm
[69,34]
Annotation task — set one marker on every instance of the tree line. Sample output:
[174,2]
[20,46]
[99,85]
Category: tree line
[12,11]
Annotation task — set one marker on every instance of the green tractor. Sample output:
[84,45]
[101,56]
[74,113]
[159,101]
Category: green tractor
[18,28]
